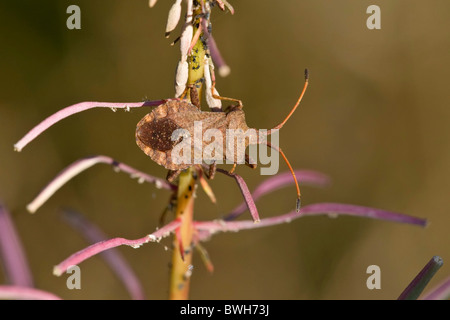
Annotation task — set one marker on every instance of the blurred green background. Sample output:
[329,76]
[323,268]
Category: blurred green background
[375,119]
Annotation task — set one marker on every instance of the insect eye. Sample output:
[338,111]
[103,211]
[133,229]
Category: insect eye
[157,134]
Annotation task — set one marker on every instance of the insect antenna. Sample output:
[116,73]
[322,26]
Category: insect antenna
[276,148]
[278,127]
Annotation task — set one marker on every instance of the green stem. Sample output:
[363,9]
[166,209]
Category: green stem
[182,256]
[182,253]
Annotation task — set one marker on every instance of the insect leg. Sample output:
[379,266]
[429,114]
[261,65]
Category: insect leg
[232,169]
[212,171]
[249,161]
[169,208]
[215,96]
[172,175]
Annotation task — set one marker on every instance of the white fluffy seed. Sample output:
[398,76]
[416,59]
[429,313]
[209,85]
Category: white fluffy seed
[181,77]
[185,39]
[212,103]
[224,71]
[174,17]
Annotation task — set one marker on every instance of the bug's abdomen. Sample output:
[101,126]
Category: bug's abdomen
[154,133]
[157,134]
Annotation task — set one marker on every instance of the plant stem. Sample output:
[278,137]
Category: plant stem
[182,253]
[196,60]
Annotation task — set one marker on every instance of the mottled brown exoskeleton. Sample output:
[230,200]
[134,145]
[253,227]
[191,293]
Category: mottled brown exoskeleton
[154,132]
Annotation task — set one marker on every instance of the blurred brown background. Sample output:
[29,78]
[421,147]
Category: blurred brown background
[375,119]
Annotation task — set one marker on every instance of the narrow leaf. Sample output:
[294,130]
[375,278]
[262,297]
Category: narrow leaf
[79,166]
[16,266]
[415,288]
[76,108]
[440,292]
[331,209]
[245,193]
[25,293]
[281,180]
[113,257]
[101,246]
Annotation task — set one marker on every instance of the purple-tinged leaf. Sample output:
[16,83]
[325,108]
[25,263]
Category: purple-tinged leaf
[208,228]
[76,108]
[113,257]
[101,246]
[440,292]
[279,181]
[224,69]
[85,163]
[360,211]
[12,253]
[25,293]
[415,288]
[245,192]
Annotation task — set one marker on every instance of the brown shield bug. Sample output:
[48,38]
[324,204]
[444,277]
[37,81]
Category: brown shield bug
[155,132]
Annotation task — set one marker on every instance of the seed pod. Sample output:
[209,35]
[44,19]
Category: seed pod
[185,40]
[181,77]
[214,104]
[188,30]
[189,10]
[174,17]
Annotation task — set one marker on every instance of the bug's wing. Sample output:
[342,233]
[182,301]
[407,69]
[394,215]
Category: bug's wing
[201,127]
[176,134]
[200,121]
[154,133]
